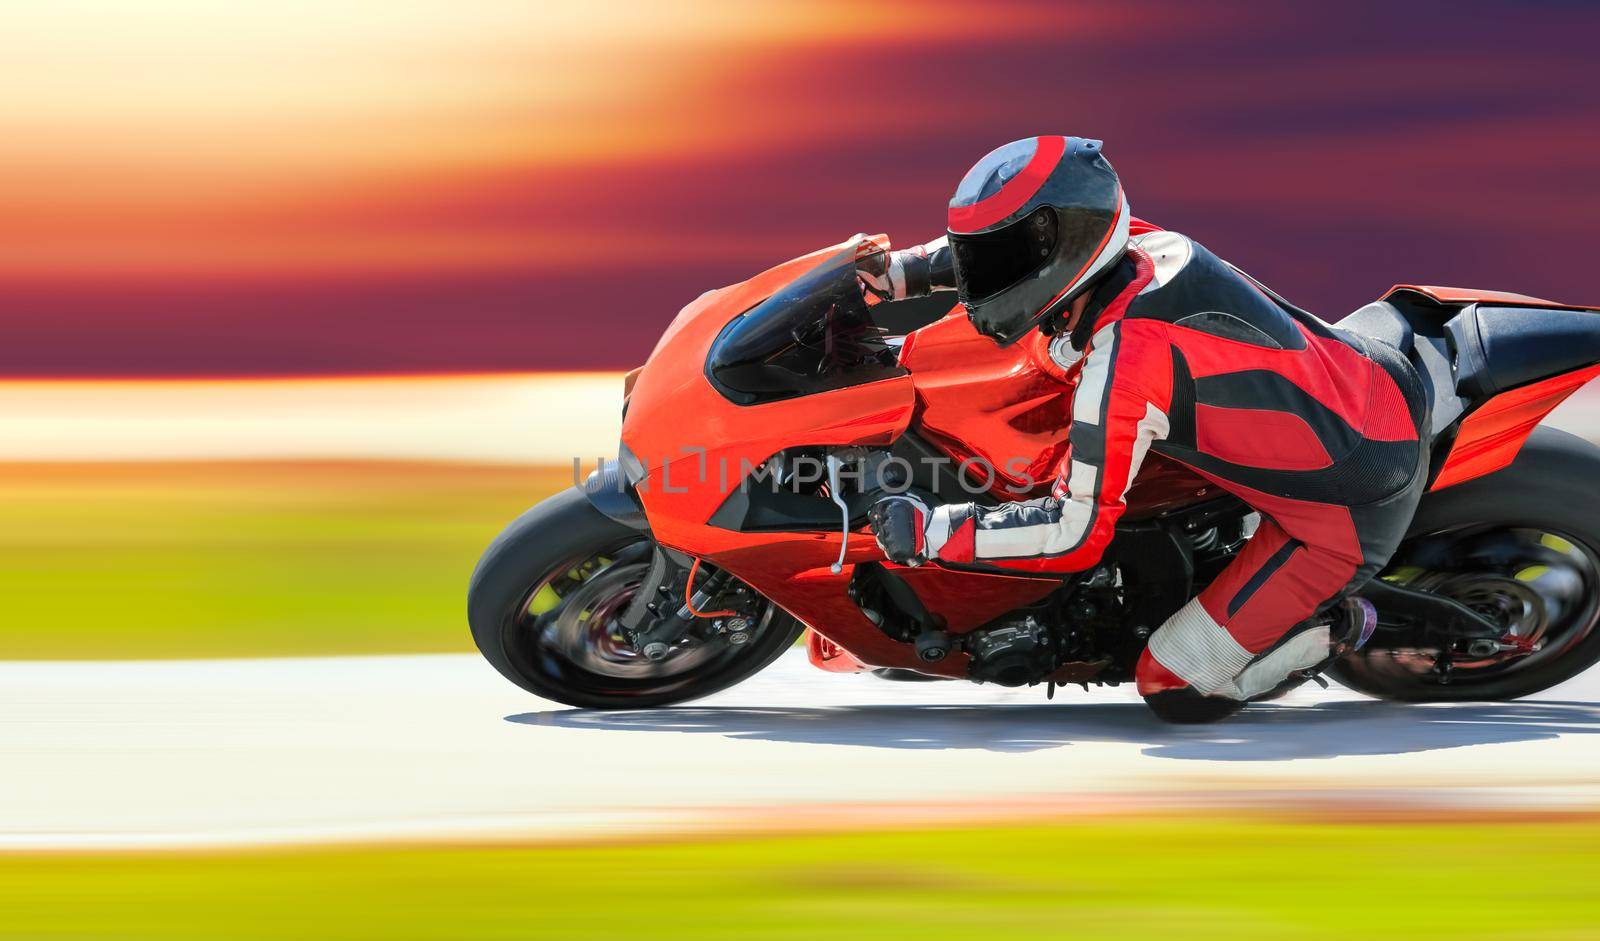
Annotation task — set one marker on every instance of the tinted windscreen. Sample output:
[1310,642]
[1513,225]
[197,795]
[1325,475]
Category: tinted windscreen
[990,262]
[813,335]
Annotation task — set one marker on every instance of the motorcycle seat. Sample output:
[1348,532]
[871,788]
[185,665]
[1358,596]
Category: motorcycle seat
[1499,347]
[1469,346]
[1498,340]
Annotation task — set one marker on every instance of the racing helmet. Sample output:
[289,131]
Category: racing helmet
[1032,225]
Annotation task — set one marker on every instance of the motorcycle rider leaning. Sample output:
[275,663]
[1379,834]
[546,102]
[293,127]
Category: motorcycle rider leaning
[1315,428]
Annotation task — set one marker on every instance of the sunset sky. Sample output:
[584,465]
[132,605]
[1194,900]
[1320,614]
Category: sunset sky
[306,187]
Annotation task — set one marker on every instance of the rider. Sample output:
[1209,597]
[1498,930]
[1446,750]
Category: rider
[1315,428]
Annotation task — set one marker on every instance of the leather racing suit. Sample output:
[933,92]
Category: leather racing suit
[1315,428]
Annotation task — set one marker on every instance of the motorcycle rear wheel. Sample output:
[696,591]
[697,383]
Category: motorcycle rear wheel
[543,603]
[1521,545]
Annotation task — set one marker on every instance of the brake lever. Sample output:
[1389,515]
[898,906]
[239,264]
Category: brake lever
[834,465]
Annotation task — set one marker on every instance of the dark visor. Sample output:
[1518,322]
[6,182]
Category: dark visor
[990,262]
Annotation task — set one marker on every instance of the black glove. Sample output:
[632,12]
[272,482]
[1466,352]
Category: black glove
[901,525]
[872,274]
[895,276]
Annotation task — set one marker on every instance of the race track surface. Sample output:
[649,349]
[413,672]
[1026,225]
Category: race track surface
[173,754]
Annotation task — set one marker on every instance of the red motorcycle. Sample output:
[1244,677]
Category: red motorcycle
[773,413]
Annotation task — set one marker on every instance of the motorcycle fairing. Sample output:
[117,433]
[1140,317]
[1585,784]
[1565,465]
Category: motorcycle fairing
[1448,296]
[693,443]
[1006,410]
[1509,359]
[968,397]
[829,657]
[994,407]
[1491,436]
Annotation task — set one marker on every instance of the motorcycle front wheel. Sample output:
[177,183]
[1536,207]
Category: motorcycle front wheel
[543,607]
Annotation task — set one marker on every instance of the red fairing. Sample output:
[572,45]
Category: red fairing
[1005,408]
[990,406]
[826,655]
[1444,295]
[1494,433]
[1008,409]
[794,569]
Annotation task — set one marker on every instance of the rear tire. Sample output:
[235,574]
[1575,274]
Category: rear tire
[566,540]
[1549,488]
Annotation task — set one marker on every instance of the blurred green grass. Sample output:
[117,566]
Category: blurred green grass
[247,559]
[1196,878]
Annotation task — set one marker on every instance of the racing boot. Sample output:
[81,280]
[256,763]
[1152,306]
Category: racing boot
[1304,653]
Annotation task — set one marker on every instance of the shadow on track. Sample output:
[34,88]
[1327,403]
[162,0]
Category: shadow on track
[1260,733]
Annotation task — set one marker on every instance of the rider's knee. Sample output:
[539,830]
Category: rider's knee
[1152,677]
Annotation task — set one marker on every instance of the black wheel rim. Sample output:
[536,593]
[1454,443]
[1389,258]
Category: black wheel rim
[566,630]
[1541,586]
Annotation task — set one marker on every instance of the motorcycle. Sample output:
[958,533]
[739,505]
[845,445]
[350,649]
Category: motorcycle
[774,412]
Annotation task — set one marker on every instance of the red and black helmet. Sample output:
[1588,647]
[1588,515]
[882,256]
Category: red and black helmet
[1031,226]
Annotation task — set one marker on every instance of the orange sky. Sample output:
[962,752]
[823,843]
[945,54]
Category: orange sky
[167,137]
[190,187]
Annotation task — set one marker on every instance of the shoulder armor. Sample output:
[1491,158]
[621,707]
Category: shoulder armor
[1169,252]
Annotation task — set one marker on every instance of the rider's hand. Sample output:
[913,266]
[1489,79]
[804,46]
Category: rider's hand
[901,525]
[872,274]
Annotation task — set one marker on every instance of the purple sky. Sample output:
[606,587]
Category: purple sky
[1329,149]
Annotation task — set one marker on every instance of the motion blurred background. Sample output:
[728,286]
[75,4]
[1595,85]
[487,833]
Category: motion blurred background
[383,259]
[351,187]
[300,301]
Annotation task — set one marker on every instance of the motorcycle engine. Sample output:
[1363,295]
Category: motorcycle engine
[1012,654]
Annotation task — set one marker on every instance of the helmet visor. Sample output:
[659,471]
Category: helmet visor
[990,262]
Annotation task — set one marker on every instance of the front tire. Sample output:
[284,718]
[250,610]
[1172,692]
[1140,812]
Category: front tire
[542,604]
[1537,520]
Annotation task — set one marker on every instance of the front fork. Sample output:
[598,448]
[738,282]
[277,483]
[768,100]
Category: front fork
[676,602]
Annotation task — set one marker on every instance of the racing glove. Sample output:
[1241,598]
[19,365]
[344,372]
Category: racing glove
[913,272]
[900,524]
